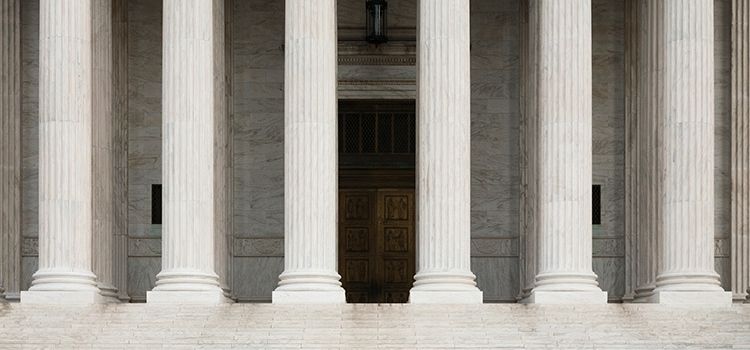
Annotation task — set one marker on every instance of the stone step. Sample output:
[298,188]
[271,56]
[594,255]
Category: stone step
[625,326]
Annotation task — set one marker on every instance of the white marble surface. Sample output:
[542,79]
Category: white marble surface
[647,184]
[310,156]
[443,169]
[564,93]
[686,195]
[193,105]
[65,162]
[614,326]
[105,128]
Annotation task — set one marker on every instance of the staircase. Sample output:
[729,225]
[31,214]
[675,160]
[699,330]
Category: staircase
[354,326]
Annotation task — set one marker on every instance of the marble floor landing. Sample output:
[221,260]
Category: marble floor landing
[140,326]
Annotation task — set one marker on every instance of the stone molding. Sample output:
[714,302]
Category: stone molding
[144,247]
[494,247]
[395,34]
[258,247]
[377,60]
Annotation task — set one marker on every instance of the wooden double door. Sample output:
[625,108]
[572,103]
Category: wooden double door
[376,244]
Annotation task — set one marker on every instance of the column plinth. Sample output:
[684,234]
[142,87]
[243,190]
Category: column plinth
[563,97]
[193,99]
[443,162]
[65,164]
[686,272]
[310,156]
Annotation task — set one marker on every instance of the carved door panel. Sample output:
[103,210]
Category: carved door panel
[358,213]
[396,246]
[376,245]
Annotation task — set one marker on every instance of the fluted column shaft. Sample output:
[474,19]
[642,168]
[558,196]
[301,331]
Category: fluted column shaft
[564,110]
[443,148]
[649,67]
[631,147]
[684,104]
[192,100]
[120,146]
[10,147]
[310,155]
[103,131]
[65,162]
[529,149]
[740,149]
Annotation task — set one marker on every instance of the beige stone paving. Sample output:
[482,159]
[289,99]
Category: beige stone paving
[265,326]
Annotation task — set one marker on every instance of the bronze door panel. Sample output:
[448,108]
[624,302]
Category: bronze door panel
[377,247]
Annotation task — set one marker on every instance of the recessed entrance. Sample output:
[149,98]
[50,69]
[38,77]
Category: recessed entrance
[376,200]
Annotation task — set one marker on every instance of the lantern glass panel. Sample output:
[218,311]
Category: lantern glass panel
[377,21]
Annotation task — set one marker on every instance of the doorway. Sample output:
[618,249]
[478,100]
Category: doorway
[377,237]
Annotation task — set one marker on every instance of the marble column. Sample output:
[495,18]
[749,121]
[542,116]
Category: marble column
[631,148]
[564,270]
[686,272]
[120,146]
[192,101]
[740,149]
[65,163]
[10,147]
[528,142]
[222,156]
[224,252]
[443,155]
[646,140]
[310,156]
[103,131]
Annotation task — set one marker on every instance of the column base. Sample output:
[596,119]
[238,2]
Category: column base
[643,295]
[445,287]
[309,287]
[12,297]
[446,297]
[566,297]
[187,286]
[169,297]
[54,297]
[308,296]
[109,292]
[685,297]
[739,297]
[61,286]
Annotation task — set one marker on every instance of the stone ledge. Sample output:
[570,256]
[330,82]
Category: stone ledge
[566,297]
[182,298]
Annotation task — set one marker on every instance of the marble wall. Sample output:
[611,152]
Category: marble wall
[608,49]
[495,175]
[29,139]
[144,139]
[257,45]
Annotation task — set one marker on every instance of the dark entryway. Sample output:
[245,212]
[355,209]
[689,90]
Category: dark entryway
[377,200]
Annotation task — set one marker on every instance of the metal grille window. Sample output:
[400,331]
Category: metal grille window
[156,204]
[596,204]
[377,133]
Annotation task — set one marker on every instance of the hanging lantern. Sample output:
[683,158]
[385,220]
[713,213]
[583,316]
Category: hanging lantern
[377,21]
